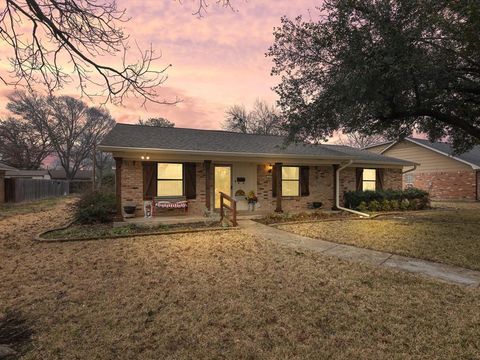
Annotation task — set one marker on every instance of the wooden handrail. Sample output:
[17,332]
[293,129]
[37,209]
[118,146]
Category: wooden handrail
[232,208]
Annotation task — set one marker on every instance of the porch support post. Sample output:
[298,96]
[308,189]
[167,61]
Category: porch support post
[278,175]
[118,188]
[208,182]
[335,168]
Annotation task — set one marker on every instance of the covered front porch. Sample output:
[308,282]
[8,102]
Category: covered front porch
[291,186]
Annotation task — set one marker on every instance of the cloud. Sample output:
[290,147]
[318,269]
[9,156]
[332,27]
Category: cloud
[218,60]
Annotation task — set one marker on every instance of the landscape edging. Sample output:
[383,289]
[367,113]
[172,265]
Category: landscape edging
[39,238]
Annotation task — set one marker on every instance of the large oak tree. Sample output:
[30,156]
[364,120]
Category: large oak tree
[382,67]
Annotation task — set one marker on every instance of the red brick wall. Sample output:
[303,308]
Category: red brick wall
[132,188]
[132,184]
[320,183]
[478,185]
[449,185]
[392,179]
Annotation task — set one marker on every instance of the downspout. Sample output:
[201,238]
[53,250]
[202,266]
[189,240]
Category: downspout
[337,192]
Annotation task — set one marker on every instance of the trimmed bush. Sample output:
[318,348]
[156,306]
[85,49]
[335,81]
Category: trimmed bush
[387,200]
[96,207]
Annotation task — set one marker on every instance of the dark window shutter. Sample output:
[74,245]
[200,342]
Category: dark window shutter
[190,176]
[304,180]
[379,179]
[149,180]
[274,181]
[359,178]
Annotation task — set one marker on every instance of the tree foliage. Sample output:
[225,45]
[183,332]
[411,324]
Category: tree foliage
[73,129]
[262,119]
[22,145]
[53,42]
[158,121]
[382,67]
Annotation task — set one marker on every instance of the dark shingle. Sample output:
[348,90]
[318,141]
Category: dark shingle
[148,137]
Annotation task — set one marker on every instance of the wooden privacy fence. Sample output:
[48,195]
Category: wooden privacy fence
[18,190]
[226,210]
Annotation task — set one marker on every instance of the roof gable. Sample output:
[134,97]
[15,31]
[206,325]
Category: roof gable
[471,158]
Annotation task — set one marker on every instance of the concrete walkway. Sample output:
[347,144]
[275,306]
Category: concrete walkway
[451,274]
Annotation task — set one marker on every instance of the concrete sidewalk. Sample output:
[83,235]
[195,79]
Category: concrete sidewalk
[448,273]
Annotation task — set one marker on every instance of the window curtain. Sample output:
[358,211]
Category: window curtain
[379,179]
[149,180]
[359,179]
[190,176]
[304,180]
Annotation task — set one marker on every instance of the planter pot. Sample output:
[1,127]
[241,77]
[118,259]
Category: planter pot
[129,211]
[317,204]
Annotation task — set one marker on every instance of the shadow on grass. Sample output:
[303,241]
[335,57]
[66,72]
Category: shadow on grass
[15,333]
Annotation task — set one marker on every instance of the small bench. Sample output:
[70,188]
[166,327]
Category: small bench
[169,203]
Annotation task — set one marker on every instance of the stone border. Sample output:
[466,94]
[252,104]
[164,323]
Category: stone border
[39,238]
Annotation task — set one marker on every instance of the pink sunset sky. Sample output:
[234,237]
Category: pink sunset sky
[217,60]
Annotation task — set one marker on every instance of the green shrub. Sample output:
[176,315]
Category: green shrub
[96,207]
[374,205]
[362,207]
[388,200]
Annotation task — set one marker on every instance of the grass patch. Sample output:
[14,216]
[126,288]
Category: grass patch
[13,209]
[79,231]
[276,218]
[447,236]
[223,295]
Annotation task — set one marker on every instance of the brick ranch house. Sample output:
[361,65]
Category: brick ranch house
[175,164]
[443,175]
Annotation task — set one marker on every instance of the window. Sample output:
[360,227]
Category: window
[369,179]
[290,181]
[169,179]
[408,180]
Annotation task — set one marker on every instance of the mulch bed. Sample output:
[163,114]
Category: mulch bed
[79,232]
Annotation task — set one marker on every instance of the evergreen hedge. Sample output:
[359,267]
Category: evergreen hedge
[387,200]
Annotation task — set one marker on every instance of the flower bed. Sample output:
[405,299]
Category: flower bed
[78,231]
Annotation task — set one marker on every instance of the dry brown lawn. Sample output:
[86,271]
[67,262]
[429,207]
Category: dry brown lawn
[450,233]
[221,295]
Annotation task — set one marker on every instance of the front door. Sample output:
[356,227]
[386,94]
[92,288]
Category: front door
[222,182]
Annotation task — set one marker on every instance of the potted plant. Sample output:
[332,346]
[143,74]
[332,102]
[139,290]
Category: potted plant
[252,200]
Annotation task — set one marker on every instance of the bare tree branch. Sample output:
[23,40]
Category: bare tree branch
[55,42]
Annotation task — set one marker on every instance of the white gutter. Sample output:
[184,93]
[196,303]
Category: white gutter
[337,192]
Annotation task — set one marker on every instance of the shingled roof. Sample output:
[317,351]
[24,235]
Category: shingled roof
[124,137]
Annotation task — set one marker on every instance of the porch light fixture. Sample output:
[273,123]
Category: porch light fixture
[269,168]
[145,157]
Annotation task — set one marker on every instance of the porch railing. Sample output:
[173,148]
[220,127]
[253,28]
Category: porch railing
[230,209]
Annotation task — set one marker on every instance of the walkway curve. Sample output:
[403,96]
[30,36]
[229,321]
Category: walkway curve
[447,273]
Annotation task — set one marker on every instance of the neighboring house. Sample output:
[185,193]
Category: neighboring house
[80,175]
[3,169]
[82,181]
[28,174]
[444,175]
[195,165]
